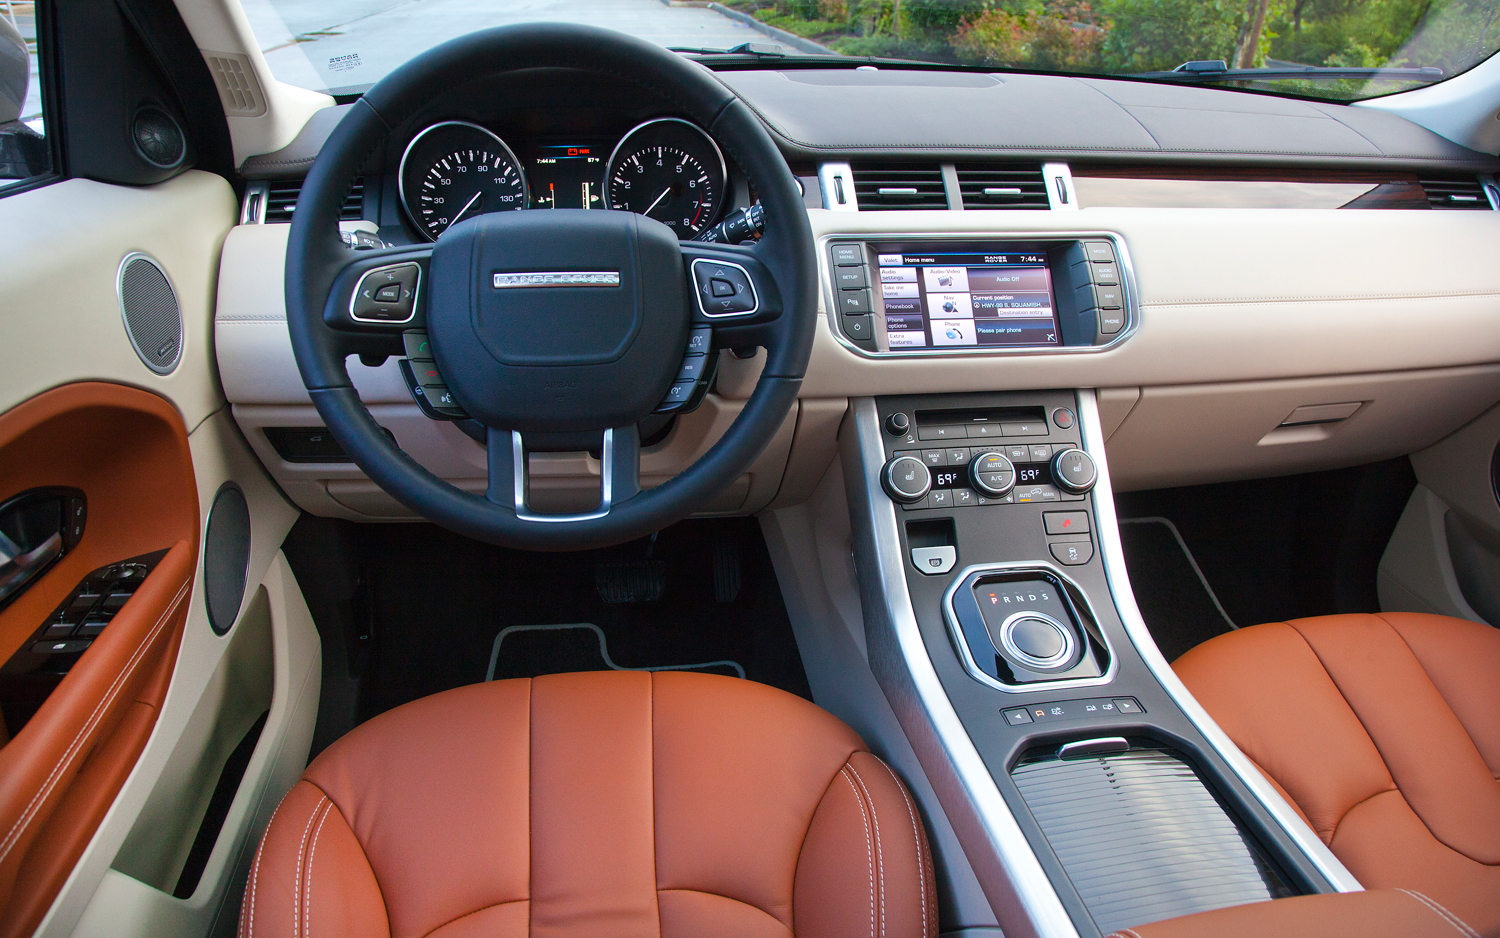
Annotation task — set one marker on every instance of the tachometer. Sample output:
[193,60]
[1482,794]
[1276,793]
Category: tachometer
[456,170]
[670,170]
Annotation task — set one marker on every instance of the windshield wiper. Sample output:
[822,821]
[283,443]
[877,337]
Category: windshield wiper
[1218,70]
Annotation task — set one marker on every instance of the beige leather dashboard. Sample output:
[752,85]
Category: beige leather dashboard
[1245,315]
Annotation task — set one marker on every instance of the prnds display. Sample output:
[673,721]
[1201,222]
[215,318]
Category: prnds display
[956,295]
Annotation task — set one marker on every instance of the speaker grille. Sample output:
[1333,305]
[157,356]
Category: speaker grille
[153,321]
[158,138]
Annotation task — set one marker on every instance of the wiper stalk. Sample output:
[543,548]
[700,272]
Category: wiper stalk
[1218,70]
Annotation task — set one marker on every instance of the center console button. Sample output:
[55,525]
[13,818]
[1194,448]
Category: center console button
[850,278]
[897,424]
[1073,471]
[1111,321]
[1100,251]
[860,328]
[1066,522]
[1029,428]
[1072,553]
[854,301]
[992,474]
[852,255]
[934,560]
[1037,637]
[906,479]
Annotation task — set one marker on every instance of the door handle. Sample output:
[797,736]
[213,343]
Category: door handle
[17,568]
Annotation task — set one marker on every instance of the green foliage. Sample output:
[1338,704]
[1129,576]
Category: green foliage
[1067,37]
[1158,35]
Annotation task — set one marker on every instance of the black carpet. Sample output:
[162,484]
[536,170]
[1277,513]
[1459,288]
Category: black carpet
[534,650]
[1177,607]
[409,610]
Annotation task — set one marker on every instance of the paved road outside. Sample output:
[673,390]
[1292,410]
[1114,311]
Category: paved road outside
[351,44]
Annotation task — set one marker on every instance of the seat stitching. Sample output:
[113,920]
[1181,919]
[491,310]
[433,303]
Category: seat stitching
[879,850]
[916,840]
[1448,917]
[297,877]
[312,856]
[869,850]
[66,759]
[255,873]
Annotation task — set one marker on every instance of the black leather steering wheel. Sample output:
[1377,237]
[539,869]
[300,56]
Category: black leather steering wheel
[612,341]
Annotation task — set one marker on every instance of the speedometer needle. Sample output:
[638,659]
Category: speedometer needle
[664,193]
[467,205]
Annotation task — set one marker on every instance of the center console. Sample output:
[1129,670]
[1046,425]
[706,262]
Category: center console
[1000,624]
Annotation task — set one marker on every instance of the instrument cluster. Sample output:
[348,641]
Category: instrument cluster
[666,168]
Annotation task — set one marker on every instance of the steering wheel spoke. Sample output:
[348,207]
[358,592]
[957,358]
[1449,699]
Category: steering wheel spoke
[510,477]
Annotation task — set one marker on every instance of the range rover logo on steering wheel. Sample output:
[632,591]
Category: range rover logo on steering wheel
[558,278]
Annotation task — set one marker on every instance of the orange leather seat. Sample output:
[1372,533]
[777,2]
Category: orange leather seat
[610,804]
[1384,732]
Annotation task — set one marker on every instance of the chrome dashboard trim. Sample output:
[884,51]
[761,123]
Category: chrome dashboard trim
[925,700]
[1112,553]
[966,655]
[1061,196]
[830,311]
[836,178]
[606,482]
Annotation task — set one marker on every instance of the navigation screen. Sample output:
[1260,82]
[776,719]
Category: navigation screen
[939,296]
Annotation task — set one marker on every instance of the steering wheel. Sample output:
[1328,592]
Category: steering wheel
[557,330]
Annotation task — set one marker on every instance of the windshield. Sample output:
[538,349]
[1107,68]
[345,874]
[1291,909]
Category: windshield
[1340,49]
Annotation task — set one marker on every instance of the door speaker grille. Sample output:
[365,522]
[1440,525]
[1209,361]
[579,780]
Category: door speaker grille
[153,320]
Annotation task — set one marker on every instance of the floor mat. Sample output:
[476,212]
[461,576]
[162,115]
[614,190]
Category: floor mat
[1175,598]
[534,650]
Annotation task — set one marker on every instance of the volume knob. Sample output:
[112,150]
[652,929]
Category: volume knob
[1073,471]
[906,479]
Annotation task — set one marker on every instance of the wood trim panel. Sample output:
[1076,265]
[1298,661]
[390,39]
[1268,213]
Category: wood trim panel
[1142,186]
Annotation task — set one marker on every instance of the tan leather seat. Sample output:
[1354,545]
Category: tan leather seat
[1384,732]
[611,804]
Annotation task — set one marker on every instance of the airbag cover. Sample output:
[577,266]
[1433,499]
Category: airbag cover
[558,320]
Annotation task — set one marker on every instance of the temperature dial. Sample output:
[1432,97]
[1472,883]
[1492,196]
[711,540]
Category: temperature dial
[992,474]
[1073,471]
[906,479]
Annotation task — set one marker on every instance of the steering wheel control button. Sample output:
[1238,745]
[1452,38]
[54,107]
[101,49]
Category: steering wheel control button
[699,341]
[386,294]
[1066,522]
[427,374]
[847,255]
[898,424]
[680,392]
[1063,419]
[692,368]
[724,289]
[1072,553]
[934,560]
[906,479]
[1073,471]
[417,344]
[992,474]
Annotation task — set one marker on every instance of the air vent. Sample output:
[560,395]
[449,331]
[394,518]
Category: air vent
[281,201]
[1455,192]
[899,186]
[235,78]
[1002,185]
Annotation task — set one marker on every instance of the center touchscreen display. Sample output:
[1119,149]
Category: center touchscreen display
[964,294]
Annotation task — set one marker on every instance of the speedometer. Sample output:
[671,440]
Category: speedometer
[456,170]
[669,170]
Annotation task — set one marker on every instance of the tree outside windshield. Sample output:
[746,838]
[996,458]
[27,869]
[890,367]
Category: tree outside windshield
[347,45]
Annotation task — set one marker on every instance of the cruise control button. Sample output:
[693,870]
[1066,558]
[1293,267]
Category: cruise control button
[679,392]
[692,368]
[700,340]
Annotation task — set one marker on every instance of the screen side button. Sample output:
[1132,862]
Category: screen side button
[1111,321]
[853,255]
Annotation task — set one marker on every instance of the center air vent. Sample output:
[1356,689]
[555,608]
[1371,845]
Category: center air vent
[281,200]
[1454,192]
[1002,185]
[899,186]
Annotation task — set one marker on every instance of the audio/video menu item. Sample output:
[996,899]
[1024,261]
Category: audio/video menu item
[956,295]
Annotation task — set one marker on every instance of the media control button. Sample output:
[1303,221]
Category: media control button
[850,278]
[849,255]
[1028,428]
[1101,251]
[897,424]
[943,433]
[1106,275]
[1072,553]
[981,431]
[860,328]
[1111,321]
[934,560]
[386,294]
[1108,297]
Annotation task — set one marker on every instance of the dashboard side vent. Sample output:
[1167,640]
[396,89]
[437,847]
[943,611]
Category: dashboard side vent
[899,186]
[281,201]
[1454,192]
[1002,185]
[239,90]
